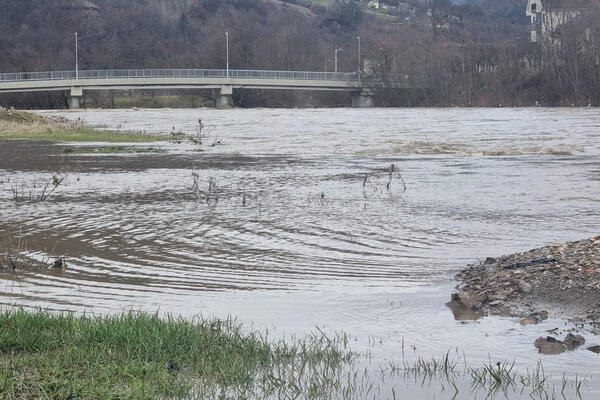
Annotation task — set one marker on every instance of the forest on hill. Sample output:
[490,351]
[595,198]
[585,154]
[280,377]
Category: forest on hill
[472,53]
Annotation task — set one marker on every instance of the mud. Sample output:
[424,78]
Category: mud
[39,156]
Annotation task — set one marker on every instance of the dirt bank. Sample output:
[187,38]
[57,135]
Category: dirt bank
[562,279]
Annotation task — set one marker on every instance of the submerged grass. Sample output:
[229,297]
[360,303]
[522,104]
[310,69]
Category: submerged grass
[112,150]
[24,125]
[500,378]
[141,356]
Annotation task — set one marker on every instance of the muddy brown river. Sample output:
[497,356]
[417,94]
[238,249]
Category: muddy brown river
[302,226]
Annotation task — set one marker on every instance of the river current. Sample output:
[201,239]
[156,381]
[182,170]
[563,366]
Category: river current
[304,225]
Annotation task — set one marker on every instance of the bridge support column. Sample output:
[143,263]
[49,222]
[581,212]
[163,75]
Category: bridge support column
[224,98]
[363,99]
[75,97]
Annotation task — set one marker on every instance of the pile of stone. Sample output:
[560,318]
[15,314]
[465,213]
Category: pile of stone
[562,277]
[550,345]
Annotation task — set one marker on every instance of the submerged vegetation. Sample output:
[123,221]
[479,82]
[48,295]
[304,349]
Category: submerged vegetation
[24,125]
[36,191]
[500,378]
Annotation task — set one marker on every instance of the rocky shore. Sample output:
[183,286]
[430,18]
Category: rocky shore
[562,279]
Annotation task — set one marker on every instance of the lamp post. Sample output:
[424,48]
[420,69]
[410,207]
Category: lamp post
[76,58]
[227,46]
[359,66]
[336,62]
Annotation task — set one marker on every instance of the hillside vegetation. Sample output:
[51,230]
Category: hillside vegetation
[472,53]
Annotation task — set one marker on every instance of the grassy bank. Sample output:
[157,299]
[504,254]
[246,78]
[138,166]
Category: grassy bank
[24,125]
[140,356]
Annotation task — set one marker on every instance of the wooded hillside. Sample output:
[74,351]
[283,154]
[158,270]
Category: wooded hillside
[473,53]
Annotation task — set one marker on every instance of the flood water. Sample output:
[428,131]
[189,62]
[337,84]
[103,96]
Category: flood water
[302,229]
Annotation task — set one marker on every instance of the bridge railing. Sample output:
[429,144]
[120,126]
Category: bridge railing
[179,73]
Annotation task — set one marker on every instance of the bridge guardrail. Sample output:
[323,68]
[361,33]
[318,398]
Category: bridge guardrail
[179,73]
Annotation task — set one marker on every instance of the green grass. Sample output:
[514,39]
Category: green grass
[141,356]
[24,125]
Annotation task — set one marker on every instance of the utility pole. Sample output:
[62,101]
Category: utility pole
[336,58]
[227,46]
[359,65]
[76,58]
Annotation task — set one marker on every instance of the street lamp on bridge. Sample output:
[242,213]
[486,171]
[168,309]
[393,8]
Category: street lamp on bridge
[76,58]
[227,47]
[359,66]
[337,49]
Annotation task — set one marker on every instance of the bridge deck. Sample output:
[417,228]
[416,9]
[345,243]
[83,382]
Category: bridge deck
[178,78]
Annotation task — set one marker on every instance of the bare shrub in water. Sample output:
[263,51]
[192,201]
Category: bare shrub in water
[212,194]
[196,183]
[13,258]
[393,172]
[16,257]
[35,191]
[202,132]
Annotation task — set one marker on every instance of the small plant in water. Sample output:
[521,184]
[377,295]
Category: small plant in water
[377,188]
[212,194]
[196,183]
[202,132]
[36,191]
[490,379]
[14,256]
[394,171]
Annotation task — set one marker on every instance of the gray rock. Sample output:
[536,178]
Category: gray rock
[595,349]
[471,300]
[549,345]
[525,287]
[573,341]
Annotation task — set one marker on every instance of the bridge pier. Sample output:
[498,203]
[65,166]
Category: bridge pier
[363,99]
[75,97]
[74,102]
[224,98]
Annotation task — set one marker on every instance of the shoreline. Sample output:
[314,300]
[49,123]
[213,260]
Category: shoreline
[561,280]
[28,125]
[299,107]
[565,274]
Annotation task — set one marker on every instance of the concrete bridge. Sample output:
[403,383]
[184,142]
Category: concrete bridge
[225,81]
